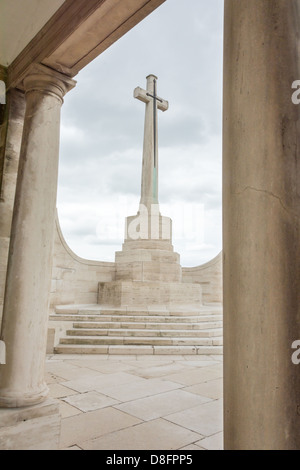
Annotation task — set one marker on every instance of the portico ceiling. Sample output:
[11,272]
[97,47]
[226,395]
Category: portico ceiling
[64,35]
[20,21]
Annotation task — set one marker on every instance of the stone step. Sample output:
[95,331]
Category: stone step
[156,313]
[143,333]
[157,330]
[147,325]
[139,340]
[137,350]
[128,318]
[65,310]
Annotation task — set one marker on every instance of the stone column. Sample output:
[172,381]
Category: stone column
[25,313]
[261,224]
[10,144]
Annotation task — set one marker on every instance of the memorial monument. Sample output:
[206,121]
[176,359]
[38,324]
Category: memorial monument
[148,271]
[148,306]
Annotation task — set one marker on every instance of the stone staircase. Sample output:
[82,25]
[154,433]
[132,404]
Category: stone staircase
[92,329]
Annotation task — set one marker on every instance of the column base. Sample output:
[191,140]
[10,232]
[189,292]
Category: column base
[32,428]
[10,399]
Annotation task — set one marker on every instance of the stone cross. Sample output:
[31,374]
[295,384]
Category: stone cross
[149,189]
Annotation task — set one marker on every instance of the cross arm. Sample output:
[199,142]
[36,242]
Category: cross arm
[163,105]
[142,95]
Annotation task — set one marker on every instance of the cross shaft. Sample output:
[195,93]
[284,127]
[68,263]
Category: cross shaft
[149,189]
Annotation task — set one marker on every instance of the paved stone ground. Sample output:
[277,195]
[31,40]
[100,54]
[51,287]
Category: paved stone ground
[137,402]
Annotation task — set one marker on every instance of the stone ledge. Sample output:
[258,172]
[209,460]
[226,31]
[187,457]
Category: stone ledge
[138,350]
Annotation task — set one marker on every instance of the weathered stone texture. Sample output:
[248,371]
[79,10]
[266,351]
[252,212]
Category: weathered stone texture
[209,276]
[74,279]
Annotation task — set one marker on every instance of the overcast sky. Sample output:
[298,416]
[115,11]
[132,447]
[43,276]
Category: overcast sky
[102,135]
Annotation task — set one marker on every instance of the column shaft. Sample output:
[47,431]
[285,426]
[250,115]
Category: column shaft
[25,315]
[261,181]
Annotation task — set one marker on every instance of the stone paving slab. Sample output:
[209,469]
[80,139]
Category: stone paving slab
[60,391]
[143,388]
[161,405]
[103,367]
[192,377]
[67,410]
[161,370]
[90,401]
[214,442]
[72,372]
[156,435]
[211,389]
[205,419]
[101,381]
[138,402]
[94,424]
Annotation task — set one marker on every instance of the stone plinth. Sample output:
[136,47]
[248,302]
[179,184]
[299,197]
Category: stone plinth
[31,428]
[148,224]
[147,270]
[143,294]
[141,244]
[148,265]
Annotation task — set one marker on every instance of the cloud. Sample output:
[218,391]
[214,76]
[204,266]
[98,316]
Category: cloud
[102,131]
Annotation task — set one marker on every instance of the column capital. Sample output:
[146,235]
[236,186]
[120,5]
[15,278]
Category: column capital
[48,81]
